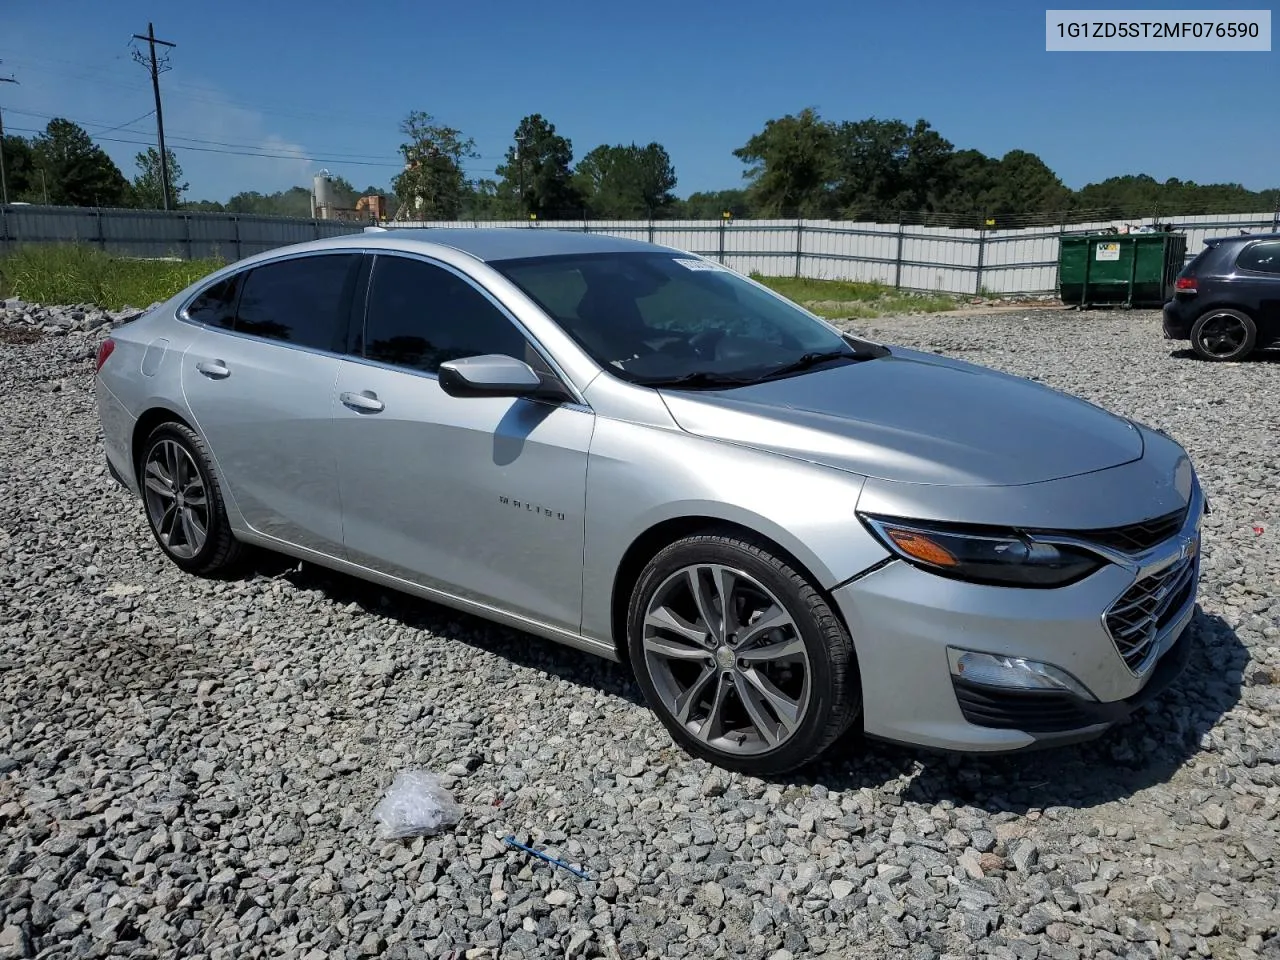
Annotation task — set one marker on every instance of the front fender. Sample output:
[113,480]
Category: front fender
[640,476]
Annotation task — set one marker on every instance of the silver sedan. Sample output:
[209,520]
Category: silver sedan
[787,531]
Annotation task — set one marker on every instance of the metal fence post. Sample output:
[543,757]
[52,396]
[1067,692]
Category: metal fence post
[897,258]
[317,226]
[651,228]
[721,240]
[235,222]
[102,237]
[186,221]
[799,243]
[982,252]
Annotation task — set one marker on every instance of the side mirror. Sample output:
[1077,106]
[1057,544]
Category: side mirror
[492,375]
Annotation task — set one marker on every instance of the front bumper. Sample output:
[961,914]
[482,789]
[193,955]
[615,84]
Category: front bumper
[903,620]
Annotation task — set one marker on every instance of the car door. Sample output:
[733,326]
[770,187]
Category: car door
[1259,266]
[259,379]
[481,497]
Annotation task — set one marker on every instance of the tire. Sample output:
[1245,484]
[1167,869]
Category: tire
[785,693]
[1223,334]
[174,515]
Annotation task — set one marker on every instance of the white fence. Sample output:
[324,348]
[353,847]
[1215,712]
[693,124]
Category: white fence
[909,257]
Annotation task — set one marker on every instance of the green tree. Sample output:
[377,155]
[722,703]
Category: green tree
[713,205]
[147,191]
[536,172]
[1024,184]
[22,178]
[882,168]
[78,172]
[484,201]
[627,181]
[432,184]
[791,163]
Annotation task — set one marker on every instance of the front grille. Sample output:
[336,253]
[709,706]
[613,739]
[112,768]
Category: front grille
[1136,619]
[1136,537]
[1039,711]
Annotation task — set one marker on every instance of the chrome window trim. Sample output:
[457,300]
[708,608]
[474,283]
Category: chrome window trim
[579,401]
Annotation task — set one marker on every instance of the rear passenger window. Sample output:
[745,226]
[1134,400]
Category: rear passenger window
[217,305]
[1263,257]
[303,301]
[420,316]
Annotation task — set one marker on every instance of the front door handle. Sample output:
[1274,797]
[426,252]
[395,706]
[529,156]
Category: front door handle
[214,369]
[364,402]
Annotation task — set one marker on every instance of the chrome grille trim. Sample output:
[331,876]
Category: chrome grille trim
[1136,620]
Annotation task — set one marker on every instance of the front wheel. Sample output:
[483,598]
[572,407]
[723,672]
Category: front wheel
[740,656]
[1224,335]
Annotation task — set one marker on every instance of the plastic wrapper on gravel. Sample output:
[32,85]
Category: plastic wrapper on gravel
[416,805]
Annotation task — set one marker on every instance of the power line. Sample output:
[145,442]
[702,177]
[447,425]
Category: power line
[129,123]
[335,156]
[155,86]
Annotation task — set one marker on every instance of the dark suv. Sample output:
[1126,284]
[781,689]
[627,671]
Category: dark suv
[1227,300]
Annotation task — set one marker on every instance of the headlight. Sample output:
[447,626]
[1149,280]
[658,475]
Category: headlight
[1004,557]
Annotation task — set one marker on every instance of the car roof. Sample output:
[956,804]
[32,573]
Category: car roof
[492,244]
[1240,238]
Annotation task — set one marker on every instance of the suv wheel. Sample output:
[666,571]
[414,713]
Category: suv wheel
[1224,335]
[740,656]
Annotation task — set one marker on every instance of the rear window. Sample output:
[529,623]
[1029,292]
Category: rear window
[1190,269]
[1261,257]
[301,301]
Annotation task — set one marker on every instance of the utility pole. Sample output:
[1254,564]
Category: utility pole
[4,186]
[520,172]
[155,87]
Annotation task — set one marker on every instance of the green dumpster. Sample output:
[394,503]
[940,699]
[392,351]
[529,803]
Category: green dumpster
[1114,269]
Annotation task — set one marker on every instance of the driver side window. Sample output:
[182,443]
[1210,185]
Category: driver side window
[420,316]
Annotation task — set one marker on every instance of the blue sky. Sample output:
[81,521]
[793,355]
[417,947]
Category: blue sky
[332,81]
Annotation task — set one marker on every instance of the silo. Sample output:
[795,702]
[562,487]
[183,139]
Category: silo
[322,195]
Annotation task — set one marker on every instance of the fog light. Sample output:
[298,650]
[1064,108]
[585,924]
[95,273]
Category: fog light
[1012,673]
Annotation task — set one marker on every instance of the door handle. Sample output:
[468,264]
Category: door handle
[214,369]
[364,402]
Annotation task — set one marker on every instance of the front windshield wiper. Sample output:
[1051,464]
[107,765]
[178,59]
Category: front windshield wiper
[700,378]
[807,360]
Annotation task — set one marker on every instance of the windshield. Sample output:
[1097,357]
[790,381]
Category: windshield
[663,318]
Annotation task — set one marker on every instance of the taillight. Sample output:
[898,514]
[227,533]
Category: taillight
[104,351]
[1185,285]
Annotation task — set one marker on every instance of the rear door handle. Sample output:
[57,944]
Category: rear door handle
[364,402]
[214,369]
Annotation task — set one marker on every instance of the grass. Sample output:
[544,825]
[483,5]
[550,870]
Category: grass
[855,300]
[74,273]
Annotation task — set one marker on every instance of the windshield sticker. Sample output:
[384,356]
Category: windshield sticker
[698,264]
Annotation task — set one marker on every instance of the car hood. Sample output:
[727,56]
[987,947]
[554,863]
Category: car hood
[918,418]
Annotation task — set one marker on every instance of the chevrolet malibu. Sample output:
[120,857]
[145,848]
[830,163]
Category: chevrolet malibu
[785,530]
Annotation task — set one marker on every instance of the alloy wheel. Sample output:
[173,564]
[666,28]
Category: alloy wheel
[727,659]
[176,498]
[1223,335]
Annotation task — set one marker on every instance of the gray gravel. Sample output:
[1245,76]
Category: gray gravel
[189,767]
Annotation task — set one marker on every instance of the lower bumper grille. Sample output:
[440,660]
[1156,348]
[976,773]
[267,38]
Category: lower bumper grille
[1136,619]
[1033,712]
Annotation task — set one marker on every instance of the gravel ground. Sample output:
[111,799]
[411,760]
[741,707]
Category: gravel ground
[189,768]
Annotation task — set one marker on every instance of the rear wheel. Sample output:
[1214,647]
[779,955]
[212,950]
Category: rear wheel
[184,503]
[1224,335]
[740,656]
